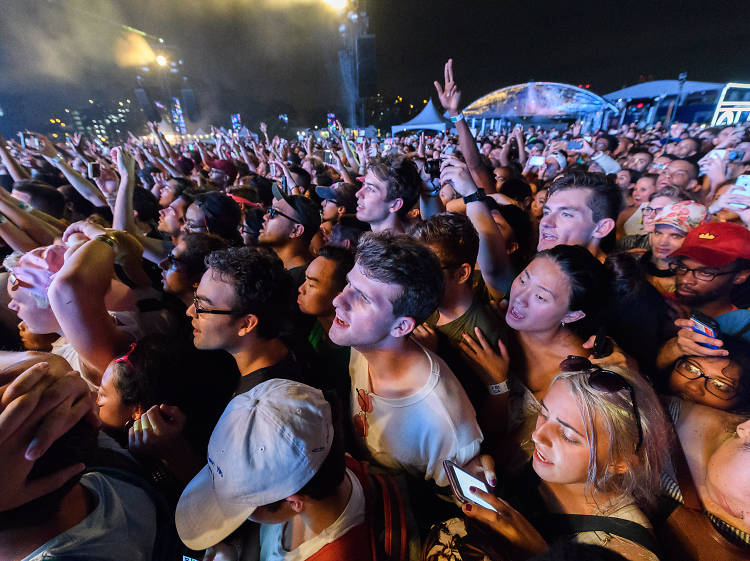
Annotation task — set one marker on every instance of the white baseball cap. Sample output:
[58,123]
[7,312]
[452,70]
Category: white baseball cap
[267,445]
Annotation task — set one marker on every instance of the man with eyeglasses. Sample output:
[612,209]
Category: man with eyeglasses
[713,259]
[288,227]
[241,305]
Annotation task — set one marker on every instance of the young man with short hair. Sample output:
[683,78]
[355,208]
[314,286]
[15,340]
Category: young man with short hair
[325,278]
[288,227]
[396,283]
[274,458]
[240,306]
[581,209]
[390,190]
[713,259]
[456,243]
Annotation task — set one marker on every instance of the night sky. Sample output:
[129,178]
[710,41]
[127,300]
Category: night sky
[263,57]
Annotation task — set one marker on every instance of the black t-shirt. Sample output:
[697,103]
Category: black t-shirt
[287,369]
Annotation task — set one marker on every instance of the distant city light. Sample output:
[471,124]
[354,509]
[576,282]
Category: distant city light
[161,60]
[67,110]
[91,101]
[51,120]
[161,40]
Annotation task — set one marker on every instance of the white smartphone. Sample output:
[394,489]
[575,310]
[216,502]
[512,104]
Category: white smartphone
[461,480]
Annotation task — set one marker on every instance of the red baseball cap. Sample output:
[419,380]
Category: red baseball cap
[227,166]
[716,244]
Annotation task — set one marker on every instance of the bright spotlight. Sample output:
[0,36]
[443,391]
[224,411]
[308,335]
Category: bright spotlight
[161,60]
[336,4]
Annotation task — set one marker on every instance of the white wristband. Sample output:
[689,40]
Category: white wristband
[498,389]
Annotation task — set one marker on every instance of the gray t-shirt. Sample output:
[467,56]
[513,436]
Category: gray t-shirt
[122,526]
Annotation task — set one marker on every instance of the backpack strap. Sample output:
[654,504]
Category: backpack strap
[627,529]
[385,513]
[166,544]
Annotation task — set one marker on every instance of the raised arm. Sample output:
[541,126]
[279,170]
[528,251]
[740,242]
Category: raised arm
[77,295]
[88,190]
[494,262]
[16,170]
[450,96]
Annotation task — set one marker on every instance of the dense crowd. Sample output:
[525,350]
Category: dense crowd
[530,343]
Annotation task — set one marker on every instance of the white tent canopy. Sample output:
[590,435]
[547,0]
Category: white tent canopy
[428,118]
[661,88]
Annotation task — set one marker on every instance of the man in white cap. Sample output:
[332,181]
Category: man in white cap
[273,459]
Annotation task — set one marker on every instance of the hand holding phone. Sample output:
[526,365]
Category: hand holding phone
[461,480]
[705,325]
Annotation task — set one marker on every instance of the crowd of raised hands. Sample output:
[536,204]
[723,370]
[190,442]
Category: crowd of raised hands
[528,342]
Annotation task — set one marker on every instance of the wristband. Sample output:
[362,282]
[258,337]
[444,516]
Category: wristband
[498,389]
[478,195]
[25,206]
[457,118]
[107,239]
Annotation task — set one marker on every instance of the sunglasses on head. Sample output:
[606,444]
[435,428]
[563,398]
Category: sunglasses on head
[605,381]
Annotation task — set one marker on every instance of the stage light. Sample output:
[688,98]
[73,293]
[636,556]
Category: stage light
[336,4]
[161,60]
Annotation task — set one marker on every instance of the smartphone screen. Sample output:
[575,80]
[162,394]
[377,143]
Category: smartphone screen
[461,481]
[575,145]
[536,161]
[328,157]
[743,181]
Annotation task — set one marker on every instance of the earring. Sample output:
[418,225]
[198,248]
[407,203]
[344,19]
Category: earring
[562,323]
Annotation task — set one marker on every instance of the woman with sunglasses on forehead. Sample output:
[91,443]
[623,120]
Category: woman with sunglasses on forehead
[598,445]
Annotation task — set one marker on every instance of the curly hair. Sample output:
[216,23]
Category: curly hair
[401,260]
[402,179]
[262,286]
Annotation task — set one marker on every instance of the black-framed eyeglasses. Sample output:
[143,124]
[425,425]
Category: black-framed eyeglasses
[605,381]
[273,211]
[717,387]
[680,269]
[200,310]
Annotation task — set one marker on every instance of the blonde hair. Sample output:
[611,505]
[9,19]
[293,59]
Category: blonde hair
[640,482]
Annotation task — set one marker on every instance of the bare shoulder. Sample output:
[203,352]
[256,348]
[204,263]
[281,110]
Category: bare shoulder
[14,363]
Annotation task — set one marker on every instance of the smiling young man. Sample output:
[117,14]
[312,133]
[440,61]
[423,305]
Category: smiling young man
[581,209]
[390,190]
[411,413]
[240,306]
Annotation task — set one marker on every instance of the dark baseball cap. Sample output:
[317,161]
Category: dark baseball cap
[307,210]
[344,194]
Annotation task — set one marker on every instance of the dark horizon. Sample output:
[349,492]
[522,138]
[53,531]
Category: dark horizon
[280,56]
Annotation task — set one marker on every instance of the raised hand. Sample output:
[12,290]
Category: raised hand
[263,127]
[457,173]
[449,94]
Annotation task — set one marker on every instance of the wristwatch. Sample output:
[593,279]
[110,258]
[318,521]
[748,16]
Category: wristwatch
[478,195]
[498,389]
